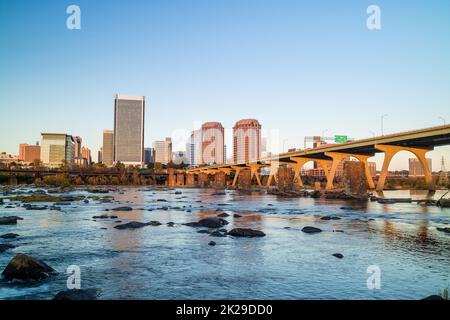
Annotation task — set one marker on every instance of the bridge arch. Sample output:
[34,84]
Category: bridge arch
[390,151]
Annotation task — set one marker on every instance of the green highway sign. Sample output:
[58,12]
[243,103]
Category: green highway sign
[340,139]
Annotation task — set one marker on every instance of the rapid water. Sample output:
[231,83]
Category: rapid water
[162,262]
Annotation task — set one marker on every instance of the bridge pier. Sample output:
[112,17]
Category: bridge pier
[237,170]
[203,180]
[390,151]
[171,179]
[190,180]
[13,179]
[285,178]
[254,168]
[220,180]
[338,157]
[180,179]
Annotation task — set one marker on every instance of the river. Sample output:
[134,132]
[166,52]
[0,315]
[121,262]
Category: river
[162,262]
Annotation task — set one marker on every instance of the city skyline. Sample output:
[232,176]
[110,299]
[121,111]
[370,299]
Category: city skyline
[291,73]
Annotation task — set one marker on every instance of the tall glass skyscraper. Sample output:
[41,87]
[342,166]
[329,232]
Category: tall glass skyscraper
[129,129]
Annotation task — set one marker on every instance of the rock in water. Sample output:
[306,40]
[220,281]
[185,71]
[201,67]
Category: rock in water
[131,225]
[9,236]
[122,209]
[433,297]
[9,220]
[212,223]
[223,215]
[446,229]
[27,268]
[212,243]
[338,255]
[311,230]
[78,294]
[245,232]
[5,246]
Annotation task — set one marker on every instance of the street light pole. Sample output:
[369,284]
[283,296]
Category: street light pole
[443,120]
[382,120]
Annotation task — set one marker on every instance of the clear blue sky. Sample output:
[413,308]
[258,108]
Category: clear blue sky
[299,67]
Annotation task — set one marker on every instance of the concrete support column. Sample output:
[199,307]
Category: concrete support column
[297,166]
[190,180]
[171,179]
[180,179]
[337,158]
[273,173]
[364,160]
[254,167]
[203,180]
[390,151]
[324,165]
[220,180]
[237,170]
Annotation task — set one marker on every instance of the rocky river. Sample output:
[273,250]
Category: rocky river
[159,243]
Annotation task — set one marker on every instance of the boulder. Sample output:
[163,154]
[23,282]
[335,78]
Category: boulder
[9,236]
[309,229]
[217,234]
[5,246]
[78,294]
[236,215]
[154,223]
[433,297]
[122,209]
[445,229]
[223,215]
[212,243]
[27,268]
[9,220]
[330,218]
[212,223]
[131,225]
[170,224]
[245,232]
[338,255]
[105,216]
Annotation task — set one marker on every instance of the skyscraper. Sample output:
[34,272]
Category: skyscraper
[57,149]
[149,155]
[129,129]
[77,140]
[100,155]
[194,147]
[246,140]
[212,143]
[163,150]
[108,147]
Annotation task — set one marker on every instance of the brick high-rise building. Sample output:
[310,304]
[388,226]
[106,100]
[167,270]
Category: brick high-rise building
[246,140]
[29,153]
[213,149]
